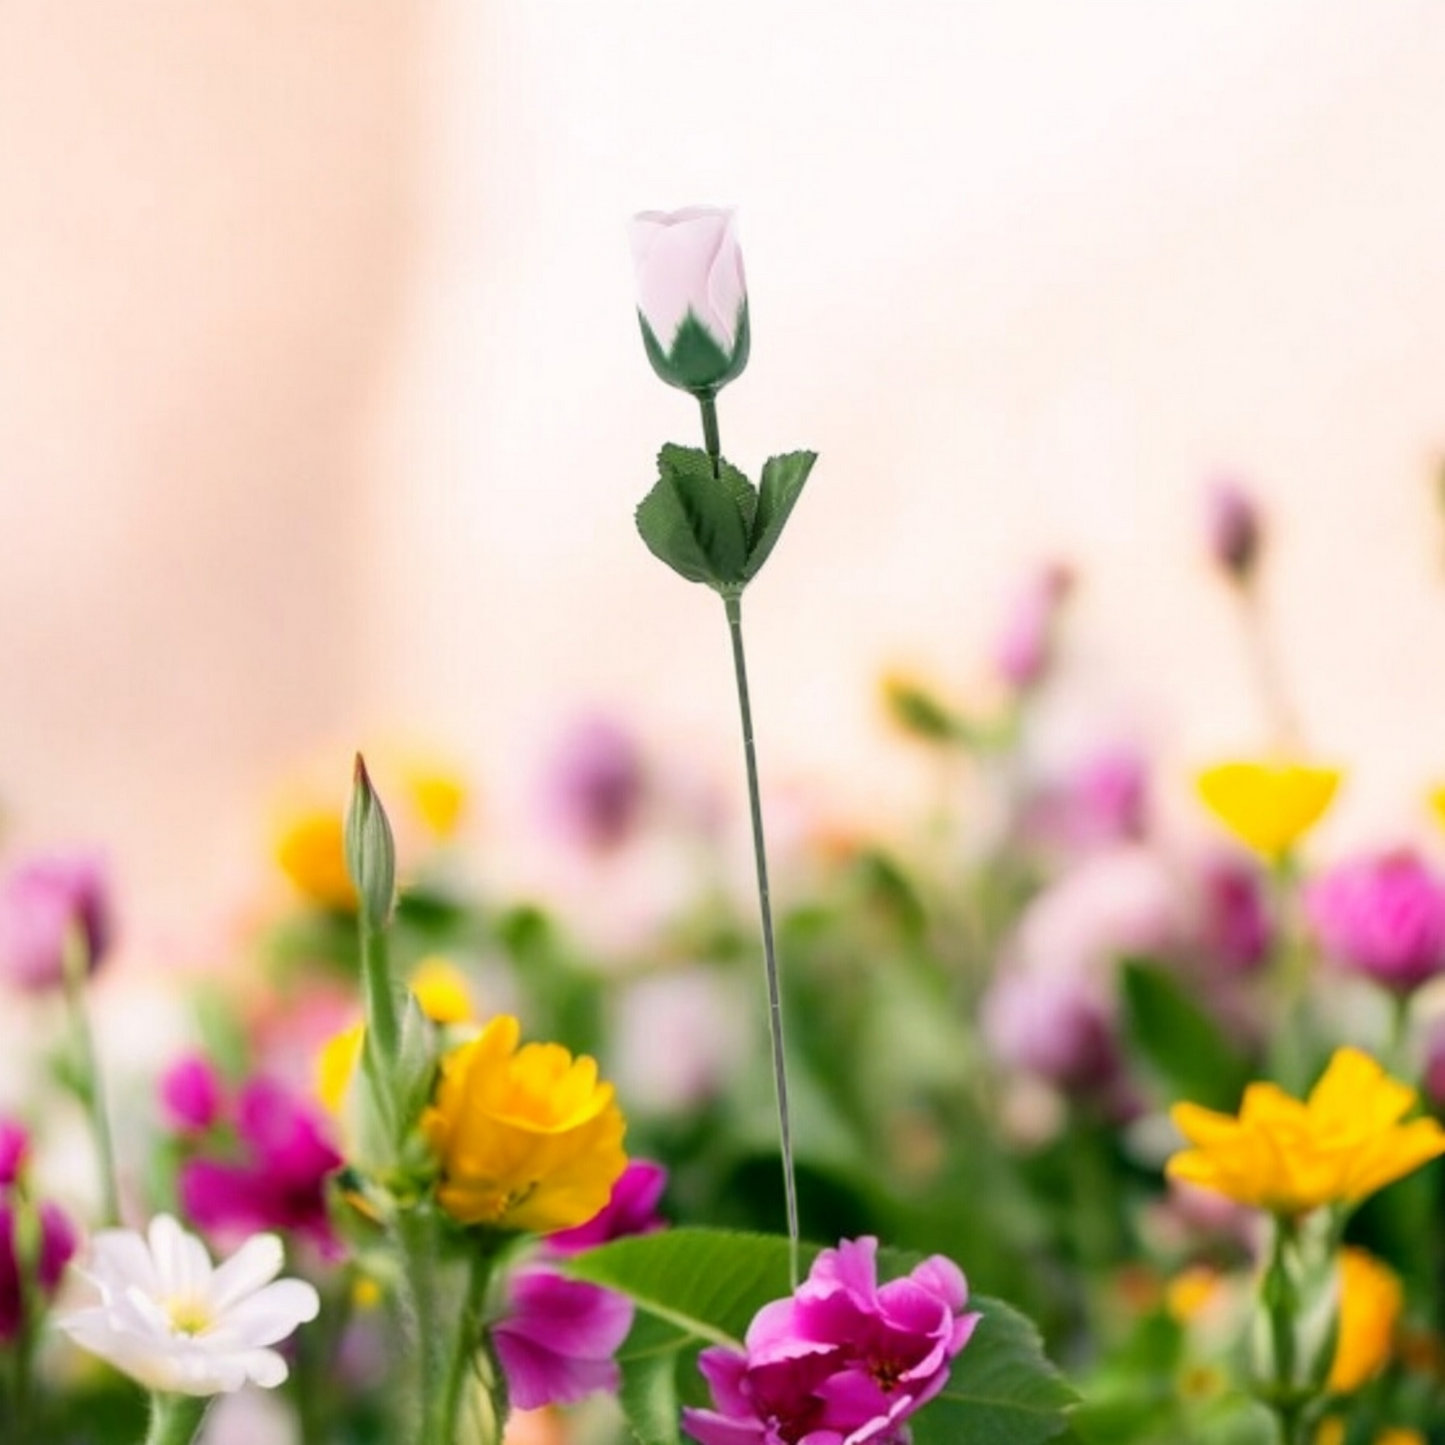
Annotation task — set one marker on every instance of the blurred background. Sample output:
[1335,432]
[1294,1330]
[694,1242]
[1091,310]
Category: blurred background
[323,409]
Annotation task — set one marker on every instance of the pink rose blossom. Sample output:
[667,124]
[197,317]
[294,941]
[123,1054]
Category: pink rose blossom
[842,1361]
[1383,917]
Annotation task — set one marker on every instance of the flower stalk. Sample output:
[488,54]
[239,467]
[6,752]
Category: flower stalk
[175,1419]
[89,1083]
[733,605]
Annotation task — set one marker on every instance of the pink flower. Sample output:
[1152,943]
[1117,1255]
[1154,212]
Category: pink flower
[692,298]
[1103,800]
[842,1361]
[57,1245]
[1059,1027]
[1383,917]
[1233,528]
[190,1094]
[14,1146]
[41,901]
[279,1182]
[1023,648]
[558,1338]
[595,786]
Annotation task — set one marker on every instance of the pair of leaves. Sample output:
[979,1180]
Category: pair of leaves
[719,530]
[699,1287]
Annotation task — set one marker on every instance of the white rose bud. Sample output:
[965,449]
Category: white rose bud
[692,299]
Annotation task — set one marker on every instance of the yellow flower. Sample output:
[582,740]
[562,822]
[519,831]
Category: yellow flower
[441,990]
[311,850]
[1287,1156]
[1268,806]
[1370,1302]
[1400,1435]
[1191,1292]
[528,1138]
[439,797]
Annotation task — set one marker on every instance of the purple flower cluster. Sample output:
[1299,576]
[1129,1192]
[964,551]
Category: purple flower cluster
[843,1361]
[274,1179]
[20,1277]
[1384,917]
[558,1338]
[41,901]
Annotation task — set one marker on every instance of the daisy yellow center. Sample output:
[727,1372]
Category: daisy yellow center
[188,1316]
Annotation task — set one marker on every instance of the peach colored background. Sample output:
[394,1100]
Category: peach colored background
[323,411]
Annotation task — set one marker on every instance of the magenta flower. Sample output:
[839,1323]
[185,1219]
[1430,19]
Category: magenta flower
[1383,917]
[558,1338]
[14,1146]
[57,1245]
[190,1094]
[1059,1026]
[632,1209]
[1101,801]
[279,1182]
[842,1361]
[1022,650]
[41,901]
[596,784]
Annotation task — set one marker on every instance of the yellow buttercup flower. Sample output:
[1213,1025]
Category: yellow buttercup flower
[1269,807]
[311,849]
[1337,1147]
[1371,1299]
[1191,1292]
[528,1138]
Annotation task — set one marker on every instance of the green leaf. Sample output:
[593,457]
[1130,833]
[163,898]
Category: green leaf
[694,521]
[1181,1042]
[782,485]
[1003,1391]
[706,1283]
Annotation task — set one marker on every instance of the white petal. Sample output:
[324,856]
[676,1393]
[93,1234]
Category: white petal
[255,1264]
[119,1257]
[272,1313]
[182,1264]
[265,1368]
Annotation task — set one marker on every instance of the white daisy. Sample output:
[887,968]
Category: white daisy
[175,1323]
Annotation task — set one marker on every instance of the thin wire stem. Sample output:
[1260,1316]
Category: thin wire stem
[770,961]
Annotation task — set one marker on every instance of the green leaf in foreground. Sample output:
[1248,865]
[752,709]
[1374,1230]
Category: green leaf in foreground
[695,522]
[698,1287]
[781,486]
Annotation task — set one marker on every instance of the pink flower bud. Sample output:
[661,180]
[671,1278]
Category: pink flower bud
[190,1094]
[691,296]
[1023,649]
[14,1146]
[41,902]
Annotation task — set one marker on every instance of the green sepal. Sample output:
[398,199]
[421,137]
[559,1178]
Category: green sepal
[782,485]
[416,1062]
[695,522]
[696,362]
[370,849]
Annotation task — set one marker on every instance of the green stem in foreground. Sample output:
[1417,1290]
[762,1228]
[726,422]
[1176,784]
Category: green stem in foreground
[92,1088]
[448,1325]
[176,1419]
[733,605]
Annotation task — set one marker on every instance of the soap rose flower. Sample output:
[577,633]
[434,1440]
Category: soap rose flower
[692,298]
[528,1138]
